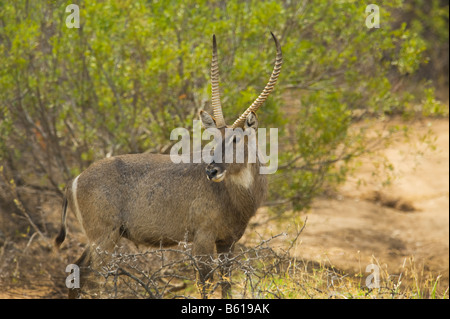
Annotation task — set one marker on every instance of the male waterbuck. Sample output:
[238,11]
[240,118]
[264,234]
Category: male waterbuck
[150,200]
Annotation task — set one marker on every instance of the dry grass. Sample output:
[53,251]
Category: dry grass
[265,270]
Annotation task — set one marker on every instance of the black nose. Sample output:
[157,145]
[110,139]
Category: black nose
[211,172]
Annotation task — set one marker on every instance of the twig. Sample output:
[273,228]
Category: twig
[260,264]
[13,189]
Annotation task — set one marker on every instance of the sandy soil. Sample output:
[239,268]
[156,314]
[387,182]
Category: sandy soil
[395,226]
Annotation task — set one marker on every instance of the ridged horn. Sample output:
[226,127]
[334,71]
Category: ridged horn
[215,93]
[267,90]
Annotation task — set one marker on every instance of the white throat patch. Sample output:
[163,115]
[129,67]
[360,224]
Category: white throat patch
[244,178]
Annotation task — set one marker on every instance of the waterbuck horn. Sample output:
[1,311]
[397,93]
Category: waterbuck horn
[215,94]
[267,90]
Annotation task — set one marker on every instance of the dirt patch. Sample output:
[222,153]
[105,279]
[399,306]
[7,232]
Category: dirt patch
[399,226]
[396,226]
[388,200]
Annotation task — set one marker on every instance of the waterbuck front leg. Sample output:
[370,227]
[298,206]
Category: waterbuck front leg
[225,253]
[203,252]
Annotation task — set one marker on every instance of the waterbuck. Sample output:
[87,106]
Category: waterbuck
[153,201]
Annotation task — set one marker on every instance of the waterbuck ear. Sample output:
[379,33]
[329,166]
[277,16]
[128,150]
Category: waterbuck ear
[207,120]
[251,121]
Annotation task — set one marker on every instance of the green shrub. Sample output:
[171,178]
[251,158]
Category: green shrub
[137,69]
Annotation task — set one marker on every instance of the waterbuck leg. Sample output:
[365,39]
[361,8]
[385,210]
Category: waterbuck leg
[203,252]
[97,254]
[225,252]
[83,263]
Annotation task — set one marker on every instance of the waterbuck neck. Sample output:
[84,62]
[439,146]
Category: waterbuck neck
[246,190]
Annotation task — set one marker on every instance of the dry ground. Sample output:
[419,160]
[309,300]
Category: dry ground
[401,227]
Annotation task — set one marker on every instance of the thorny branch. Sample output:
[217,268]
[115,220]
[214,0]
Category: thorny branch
[160,273]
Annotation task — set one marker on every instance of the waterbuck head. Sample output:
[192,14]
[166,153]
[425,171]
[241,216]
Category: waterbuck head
[237,141]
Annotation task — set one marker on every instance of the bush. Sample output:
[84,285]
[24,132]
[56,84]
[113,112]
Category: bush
[135,70]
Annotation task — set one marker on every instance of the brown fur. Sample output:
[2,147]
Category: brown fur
[150,200]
